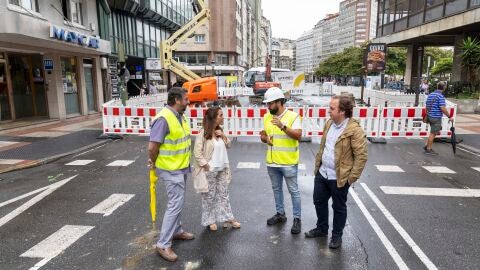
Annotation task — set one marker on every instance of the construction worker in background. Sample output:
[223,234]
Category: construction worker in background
[169,151]
[283,130]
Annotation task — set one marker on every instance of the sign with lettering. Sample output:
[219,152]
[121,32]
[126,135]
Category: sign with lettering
[48,64]
[376,57]
[73,37]
[153,64]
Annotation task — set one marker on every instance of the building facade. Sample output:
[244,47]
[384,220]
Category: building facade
[282,53]
[138,27]
[304,54]
[50,59]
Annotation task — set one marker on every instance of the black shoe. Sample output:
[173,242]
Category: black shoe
[297,226]
[313,233]
[425,148]
[431,153]
[277,218]
[335,242]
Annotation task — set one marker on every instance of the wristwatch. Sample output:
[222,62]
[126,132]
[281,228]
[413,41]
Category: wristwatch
[284,127]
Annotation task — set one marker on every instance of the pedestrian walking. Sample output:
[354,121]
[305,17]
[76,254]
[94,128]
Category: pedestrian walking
[436,108]
[424,86]
[169,151]
[338,164]
[211,171]
[282,133]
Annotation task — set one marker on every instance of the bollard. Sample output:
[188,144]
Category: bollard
[368,102]
[386,103]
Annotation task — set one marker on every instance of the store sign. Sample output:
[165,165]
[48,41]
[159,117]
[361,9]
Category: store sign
[69,36]
[153,64]
[48,64]
[375,57]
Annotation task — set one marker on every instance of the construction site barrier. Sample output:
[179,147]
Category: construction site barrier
[377,122]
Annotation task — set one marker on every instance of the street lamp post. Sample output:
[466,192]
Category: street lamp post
[213,68]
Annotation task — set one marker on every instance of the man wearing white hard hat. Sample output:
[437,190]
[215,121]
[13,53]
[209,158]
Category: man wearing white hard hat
[282,133]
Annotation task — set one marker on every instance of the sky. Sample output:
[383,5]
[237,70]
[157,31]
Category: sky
[289,19]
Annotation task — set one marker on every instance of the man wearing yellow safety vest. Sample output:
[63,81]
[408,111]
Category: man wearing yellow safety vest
[282,132]
[169,152]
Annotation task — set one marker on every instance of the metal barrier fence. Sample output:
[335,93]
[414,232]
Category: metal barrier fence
[377,122]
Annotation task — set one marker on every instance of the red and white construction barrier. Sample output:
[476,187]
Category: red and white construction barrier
[247,121]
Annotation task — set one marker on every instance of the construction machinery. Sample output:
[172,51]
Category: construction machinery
[200,90]
[261,82]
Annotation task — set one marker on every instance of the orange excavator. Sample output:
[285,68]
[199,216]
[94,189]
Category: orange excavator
[261,82]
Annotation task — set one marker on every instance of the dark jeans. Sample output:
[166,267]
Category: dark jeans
[322,191]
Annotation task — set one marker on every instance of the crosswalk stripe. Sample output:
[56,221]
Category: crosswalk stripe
[418,191]
[55,244]
[80,162]
[389,168]
[110,204]
[248,165]
[476,168]
[121,163]
[302,167]
[10,161]
[438,169]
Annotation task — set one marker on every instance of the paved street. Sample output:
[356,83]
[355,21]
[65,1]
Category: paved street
[90,211]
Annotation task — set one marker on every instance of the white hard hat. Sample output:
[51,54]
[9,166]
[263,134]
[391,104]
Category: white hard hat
[272,94]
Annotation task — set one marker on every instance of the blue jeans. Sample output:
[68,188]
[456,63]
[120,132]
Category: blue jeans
[324,190]
[290,174]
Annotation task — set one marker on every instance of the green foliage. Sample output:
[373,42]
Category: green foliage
[471,57]
[396,61]
[444,66]
[346,63]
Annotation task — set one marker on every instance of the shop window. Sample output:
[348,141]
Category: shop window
[222,59]
[4,103]
[454,6]
[26,4]
[72,10]
[70,85]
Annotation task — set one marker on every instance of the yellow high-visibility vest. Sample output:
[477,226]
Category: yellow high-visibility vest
[285,150]
[174,152]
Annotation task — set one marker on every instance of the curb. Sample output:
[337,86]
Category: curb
[47,160]
[469,148]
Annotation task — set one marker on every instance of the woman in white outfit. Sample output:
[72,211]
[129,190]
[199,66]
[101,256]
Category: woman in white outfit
[211,171]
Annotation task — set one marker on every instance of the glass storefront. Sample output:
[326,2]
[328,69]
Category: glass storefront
[28,87]
[4,103]
[88,74]
[70,85]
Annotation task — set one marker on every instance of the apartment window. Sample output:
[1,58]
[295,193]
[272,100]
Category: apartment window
[200,38]
[222,59]
[26,4]
[72,10]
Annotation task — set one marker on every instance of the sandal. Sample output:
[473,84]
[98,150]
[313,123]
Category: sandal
[233,223]
[212,227]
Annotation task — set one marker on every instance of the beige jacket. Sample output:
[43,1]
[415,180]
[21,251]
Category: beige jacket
[202,153]
[350,152]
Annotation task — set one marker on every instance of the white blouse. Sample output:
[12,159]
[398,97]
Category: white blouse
[219,159]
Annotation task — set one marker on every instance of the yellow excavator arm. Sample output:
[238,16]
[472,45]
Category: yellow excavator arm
[168,46]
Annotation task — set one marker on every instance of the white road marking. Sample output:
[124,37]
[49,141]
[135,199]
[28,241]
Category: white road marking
[10,161]
[476,168]
[248,165]
[465,150]
[110,204]
[418,251]
[88,151]
[44,134]
[80,162]
[389,168]
[302,167]
[6,143]
[47,191]
[438,169]
[445,192]
[386,243]
[55,244]
[121,163]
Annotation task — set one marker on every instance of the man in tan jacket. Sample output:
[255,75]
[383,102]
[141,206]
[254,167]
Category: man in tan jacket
[338,164]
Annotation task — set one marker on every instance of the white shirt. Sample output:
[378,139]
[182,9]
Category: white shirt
[297,124]
[327,169]
[219,159]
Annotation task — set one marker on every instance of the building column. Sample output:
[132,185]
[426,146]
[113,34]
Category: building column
[409,64]
[98,82]
[55,96]
[459,72]
[82,89]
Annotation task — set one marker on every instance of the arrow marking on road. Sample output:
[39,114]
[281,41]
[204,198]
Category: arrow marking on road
[55,244]
[442,192]
[110,204]
[418,251]
[45,191]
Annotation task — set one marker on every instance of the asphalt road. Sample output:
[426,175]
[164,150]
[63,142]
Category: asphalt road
[53,227]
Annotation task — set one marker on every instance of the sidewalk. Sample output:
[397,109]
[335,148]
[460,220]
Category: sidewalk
[37,144]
